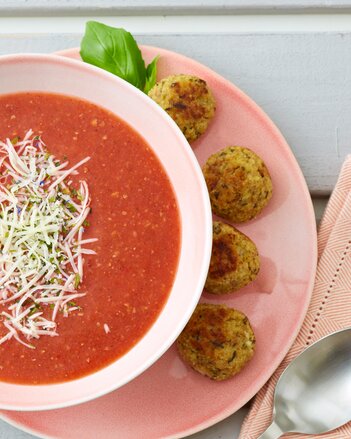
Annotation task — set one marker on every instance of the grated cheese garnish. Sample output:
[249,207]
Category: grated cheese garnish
[42,221]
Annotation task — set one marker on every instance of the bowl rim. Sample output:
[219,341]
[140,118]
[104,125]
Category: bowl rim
[205,201]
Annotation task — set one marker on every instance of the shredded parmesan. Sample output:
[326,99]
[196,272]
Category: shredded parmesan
[106,328]
[42,220]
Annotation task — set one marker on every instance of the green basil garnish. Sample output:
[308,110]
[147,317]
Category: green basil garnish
[151,73]
[115,50]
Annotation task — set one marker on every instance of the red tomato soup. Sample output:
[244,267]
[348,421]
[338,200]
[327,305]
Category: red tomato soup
[133,214]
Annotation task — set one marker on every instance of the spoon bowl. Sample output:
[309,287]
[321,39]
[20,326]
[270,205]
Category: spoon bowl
[313,395]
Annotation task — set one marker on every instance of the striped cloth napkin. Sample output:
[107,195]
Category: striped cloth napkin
[330,308]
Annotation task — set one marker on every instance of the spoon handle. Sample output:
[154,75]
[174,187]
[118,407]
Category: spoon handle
[272,432]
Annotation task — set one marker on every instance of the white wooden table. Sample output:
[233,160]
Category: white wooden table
[293,57]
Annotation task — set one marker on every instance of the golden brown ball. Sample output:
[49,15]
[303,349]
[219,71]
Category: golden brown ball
[218,341]
[238,182]
[234,261]
[189,102]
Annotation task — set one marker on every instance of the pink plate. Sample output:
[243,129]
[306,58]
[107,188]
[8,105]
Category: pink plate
[169,399]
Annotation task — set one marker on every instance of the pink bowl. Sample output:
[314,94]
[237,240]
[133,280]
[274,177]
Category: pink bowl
[51,73]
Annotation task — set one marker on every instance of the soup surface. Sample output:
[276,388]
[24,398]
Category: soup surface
[135,217]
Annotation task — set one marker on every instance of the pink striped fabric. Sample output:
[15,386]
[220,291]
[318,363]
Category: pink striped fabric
[330,308]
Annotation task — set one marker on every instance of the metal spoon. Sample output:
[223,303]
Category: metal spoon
[313,395]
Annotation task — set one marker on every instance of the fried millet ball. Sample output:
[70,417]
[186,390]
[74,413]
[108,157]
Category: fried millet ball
[238,182]
[218,341]
[234,261]
[189,102]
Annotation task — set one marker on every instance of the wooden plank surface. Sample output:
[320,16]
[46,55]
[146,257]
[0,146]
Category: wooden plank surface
[194,7]
[303,82]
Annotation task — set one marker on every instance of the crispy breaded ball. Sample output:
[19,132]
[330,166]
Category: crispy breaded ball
[189,102]
[217,341]
[238,182]
[234,261]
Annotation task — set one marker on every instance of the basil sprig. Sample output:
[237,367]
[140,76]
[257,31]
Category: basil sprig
[115,50]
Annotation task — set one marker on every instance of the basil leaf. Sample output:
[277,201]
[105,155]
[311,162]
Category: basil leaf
[114,50]
[151,73]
